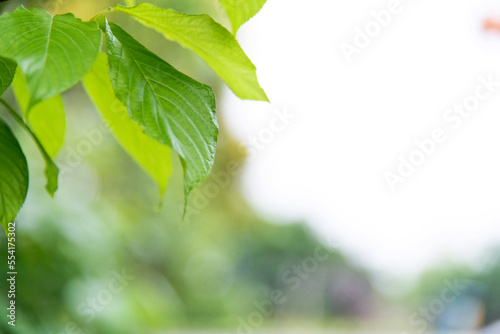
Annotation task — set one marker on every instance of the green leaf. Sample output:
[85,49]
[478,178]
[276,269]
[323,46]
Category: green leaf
[54,52]
[51,170]
[51,173]
[211,41]
[240,11]
[14,177]
[7,70]
[171,107]
[152,156]
[46,119]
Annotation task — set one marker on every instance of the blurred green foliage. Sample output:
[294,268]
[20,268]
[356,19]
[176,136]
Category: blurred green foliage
[207,272]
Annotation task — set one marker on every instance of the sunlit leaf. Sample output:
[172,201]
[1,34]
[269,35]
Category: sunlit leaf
[46,119]
[240,11]
[211,41]
[7,70]
[14,177]
[151,155]
[171,107]
[54,52]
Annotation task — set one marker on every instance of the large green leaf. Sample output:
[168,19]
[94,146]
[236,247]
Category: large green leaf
[54,52]
[240,11]
[46,119]
[211,41]
[7,70]
[151,155]
[171,107]
[14,177]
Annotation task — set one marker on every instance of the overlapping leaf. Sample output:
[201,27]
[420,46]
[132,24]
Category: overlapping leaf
[51,170]
[171,107]
[14,177]
[211,41]
[46,119]
[54,52]
[7,71]
[240,11]
[150,154]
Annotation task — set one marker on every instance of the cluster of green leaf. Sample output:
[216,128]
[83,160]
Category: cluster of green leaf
[149,105]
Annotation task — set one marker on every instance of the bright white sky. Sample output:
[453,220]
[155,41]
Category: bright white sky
[354,120]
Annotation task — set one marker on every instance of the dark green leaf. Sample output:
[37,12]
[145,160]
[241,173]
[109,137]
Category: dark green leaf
[170,107]
[14,177]
[7,71]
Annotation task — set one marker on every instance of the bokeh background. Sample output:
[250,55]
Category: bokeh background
[296,229]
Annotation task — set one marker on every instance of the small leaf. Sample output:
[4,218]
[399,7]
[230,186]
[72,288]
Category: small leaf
[7,70]
[14,177]
[211,41]
[152,156]
[240,11]
[46,119]
[54,52]
[51,174]
[51,170]
[171,107]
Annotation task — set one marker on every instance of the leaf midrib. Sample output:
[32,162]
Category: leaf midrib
[47,45]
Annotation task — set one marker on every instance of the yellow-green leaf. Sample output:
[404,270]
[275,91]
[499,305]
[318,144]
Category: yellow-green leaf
[211,41]
[51,170]
[240,11]
[46,119]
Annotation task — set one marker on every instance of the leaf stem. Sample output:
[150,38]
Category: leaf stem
[129,3]
[102,12]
